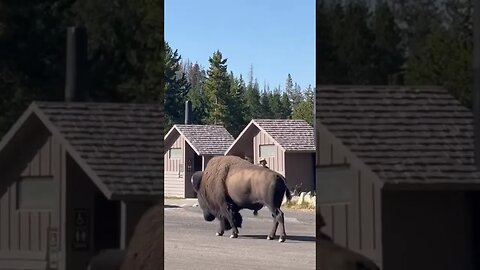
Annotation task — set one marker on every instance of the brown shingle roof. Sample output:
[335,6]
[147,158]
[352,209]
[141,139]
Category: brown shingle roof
[404,134]
[121,143]
[206,139]
[291,134]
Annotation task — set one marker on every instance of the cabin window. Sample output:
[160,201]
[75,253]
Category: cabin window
[267,150]
[176,153]
[36,193]
[334,185]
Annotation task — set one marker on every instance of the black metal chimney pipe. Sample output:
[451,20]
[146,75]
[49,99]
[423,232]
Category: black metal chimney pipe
[188,112]
[75,77]
[476,81]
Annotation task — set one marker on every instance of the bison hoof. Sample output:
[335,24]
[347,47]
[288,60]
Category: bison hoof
[282,239]
[219,234]
[269,238]
[234,236]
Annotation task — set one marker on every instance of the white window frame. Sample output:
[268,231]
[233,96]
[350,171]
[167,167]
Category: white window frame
[334,185]
[170,152]
[260,154]
[47,201]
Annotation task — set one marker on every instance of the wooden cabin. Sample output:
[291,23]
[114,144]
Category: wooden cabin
[395,175]
[286,144]
[188,148]
[74,179]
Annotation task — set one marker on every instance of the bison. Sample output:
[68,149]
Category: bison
[331,256]
[230,183]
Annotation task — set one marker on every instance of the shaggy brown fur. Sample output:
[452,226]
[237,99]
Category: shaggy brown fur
[145,250]
[230,183]
[331,256]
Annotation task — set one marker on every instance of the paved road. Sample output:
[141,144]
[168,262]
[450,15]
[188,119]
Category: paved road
[190,242]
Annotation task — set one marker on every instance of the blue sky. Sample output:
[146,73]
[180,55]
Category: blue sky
[277,37]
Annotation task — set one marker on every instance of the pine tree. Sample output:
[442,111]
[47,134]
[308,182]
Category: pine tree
[217,91]
[354,43]
[418,18]
[265,102]
[252,99]
[327,71]
[293,91]
[304,109]
[275,103]
[388,52]
[286,107]
[196,77]
[176,88]
[237,106]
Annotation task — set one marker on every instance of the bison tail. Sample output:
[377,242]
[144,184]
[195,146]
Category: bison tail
[288,194]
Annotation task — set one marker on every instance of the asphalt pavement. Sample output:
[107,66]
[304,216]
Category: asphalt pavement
[191,243]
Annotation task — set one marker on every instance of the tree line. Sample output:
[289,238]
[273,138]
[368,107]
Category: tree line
[220,97]
[125,59]
[412,42]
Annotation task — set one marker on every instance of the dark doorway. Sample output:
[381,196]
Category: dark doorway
[197,163]
[106,223]
[475,200]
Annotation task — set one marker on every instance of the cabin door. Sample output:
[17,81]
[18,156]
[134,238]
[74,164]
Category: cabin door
[475,214]
[106,223]
[197,163]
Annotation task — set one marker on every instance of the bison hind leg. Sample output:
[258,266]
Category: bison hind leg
[278,218]
[237,219]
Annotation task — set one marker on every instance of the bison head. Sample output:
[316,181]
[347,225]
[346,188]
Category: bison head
[207,213]
[196,181]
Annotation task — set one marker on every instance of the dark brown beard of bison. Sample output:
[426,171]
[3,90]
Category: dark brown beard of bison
[232,208]
[208,216]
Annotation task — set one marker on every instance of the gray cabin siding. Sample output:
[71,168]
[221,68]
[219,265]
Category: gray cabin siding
[276,162]
[23,233]
[174,168]
[356,224]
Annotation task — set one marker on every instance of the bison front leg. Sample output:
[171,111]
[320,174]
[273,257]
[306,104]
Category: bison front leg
[234,226]
[221,228]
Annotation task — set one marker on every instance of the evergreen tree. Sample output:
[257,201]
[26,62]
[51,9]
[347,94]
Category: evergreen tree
[126,51]
[264,101]
[444,59]
[252,99]
[126,48]
[32,64]
[293,91]
[217,92]
[417,19]
[275,103]
[354,41]
[176,88]
[196,78]
[304,109]
[286,107]
[327,62]
[237,106]
[388,52]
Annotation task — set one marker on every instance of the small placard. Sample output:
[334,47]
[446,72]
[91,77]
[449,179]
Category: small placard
[53,248]
[81,229]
